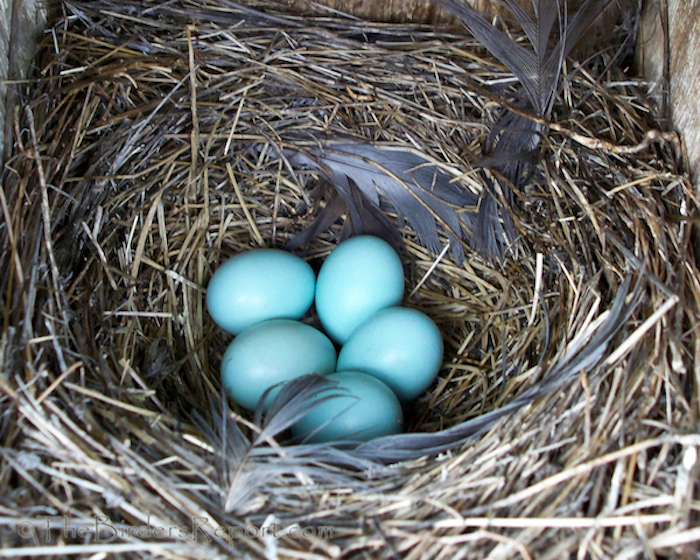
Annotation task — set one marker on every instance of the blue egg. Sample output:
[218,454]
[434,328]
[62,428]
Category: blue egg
[272,352]
[259,285]
[360,277]
[401,347]
[368,410]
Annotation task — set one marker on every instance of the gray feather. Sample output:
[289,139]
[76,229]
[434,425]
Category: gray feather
[515,138]
[419,192]
[585,355]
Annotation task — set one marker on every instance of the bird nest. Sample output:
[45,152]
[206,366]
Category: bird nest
[158,140]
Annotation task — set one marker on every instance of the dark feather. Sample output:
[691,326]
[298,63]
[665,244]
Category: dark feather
[363,216]
[370,219]
[578,357]
[244,457]
[419,192]
[423,195]
[538,69]
[293,402]
[585,352]
[255,465]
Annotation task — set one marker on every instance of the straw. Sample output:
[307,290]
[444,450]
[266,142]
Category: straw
[564,420]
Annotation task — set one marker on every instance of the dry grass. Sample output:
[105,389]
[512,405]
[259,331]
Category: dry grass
[158,132]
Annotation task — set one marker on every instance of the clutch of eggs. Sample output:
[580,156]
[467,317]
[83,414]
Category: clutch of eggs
[389,354]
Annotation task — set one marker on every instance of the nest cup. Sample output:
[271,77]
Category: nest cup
[154,143]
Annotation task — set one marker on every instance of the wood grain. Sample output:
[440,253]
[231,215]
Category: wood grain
[21,23]
[414,11]
[672,65]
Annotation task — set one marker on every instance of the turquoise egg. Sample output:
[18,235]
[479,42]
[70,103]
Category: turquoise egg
[272,352]
[259,285]
[401,347]
[359,277]
[368,410]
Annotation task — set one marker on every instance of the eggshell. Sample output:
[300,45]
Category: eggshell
[359,277]
[272,352]
[259,285]
[401,347]
[368,410]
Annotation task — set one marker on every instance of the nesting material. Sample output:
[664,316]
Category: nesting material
[150,148]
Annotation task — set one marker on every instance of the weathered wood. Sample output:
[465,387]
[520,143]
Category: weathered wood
[668,56]
[426,11]
[417,11]
[21,23]
[5,33]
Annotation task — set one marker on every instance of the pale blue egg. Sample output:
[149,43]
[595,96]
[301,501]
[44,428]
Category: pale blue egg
[401,347]
[259,285]
[368,410]
[272,352]
[359,277]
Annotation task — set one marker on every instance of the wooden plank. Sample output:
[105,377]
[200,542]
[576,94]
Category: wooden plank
[414,11]
[5,32]
[426,11]
[668,56]
[23,22]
